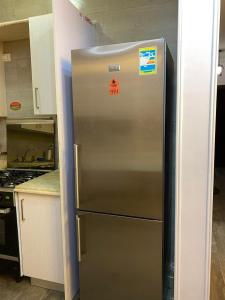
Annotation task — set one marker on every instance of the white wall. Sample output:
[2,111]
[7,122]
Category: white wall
[198,41]
[70,32]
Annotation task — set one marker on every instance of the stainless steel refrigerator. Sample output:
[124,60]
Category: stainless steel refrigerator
[120,160]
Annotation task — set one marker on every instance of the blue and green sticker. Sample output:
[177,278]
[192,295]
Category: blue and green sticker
[148,60]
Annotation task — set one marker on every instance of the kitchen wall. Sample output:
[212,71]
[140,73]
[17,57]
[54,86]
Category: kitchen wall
[18,78]
[131,20]
[21,9]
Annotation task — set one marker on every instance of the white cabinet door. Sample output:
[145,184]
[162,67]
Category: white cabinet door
[42,63]
[40,237]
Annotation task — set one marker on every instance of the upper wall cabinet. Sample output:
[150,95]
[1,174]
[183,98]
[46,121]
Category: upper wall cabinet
[27,68]
[15,70]
[42,64]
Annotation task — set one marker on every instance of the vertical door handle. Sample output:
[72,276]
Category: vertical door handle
[22,212]
[36,98]
[76,174]
[78,240]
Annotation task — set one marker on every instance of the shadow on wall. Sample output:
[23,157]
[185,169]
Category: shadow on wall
[67,165]
[131,20]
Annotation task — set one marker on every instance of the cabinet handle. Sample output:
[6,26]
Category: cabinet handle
[78,240]
[36,98]
[22,212]
[77,175]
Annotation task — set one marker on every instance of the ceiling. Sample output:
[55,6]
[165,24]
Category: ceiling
[90,6]
[222,26]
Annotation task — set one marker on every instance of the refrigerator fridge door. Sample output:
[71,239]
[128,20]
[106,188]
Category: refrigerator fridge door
[119,129]
[120,258]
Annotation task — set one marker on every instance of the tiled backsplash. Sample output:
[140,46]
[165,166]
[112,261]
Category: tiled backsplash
[18,78]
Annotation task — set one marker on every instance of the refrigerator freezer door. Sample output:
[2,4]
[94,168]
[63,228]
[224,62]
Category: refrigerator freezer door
[119,129]
[120,258]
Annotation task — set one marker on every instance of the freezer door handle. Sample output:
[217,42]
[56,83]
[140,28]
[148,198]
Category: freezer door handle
[76,174]
[78,240]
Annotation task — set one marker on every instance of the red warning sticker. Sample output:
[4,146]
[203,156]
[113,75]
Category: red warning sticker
[15,105]
[114,87]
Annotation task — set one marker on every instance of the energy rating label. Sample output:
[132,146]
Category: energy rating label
[148,61]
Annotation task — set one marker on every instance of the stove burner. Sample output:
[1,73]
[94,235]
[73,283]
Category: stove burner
[11,178]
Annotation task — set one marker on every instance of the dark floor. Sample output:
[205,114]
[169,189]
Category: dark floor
[218,239]
[12,290]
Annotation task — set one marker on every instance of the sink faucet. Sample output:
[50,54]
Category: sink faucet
[24,157]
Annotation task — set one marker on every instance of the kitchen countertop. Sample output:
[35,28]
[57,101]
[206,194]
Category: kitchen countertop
[47,184]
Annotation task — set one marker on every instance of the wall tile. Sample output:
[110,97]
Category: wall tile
[18,78]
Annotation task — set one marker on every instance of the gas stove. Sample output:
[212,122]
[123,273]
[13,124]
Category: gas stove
[10,178]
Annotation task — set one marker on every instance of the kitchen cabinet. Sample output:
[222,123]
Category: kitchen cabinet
[27,68]
[40,236]
[15,70]
[42,64]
